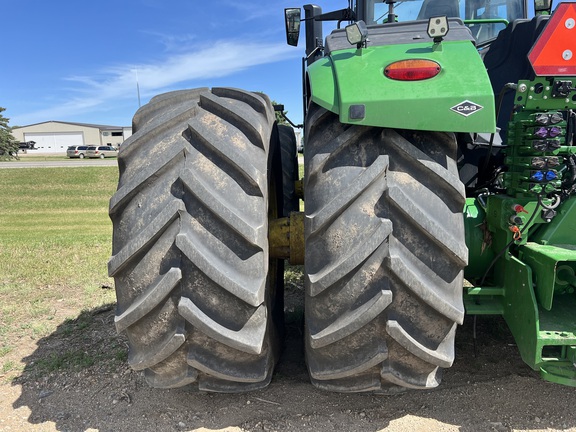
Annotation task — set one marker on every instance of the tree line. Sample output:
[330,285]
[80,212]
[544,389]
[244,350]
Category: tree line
[8,145]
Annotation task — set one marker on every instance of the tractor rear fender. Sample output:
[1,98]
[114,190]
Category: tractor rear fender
[352,84]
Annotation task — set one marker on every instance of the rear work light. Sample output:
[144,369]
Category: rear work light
[412,70]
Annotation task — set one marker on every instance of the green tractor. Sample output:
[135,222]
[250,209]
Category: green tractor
[439,146]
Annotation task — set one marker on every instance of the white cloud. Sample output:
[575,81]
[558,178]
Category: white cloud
[171,42]
[118,84]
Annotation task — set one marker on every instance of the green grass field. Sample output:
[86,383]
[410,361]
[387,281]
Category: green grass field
[55,241]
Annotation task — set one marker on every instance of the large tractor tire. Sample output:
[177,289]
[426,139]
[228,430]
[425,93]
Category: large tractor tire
[197,294]
[289,168]
[385,251]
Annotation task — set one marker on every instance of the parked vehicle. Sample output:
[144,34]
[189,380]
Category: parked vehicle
[101,152]
[408,188]
[28,145]
[76,151]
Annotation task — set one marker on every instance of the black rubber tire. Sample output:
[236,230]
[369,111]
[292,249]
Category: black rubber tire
[385,251]
[289,168]
[196,291]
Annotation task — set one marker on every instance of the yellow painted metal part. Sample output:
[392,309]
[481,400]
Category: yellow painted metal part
[297,238]
[286,238]
[279,238]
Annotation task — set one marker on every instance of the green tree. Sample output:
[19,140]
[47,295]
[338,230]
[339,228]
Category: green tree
[279,117]
[8,144]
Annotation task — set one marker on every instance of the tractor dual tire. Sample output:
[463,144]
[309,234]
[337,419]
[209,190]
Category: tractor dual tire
[197,294]
[289,168]
[384,257]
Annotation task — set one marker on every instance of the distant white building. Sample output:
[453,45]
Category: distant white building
[299,137]
[57,136]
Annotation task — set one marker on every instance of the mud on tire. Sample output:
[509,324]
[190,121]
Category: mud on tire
[384,255]
[190,241]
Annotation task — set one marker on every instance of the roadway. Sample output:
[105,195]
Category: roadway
[64,163]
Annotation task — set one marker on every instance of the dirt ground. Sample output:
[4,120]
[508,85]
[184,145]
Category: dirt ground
[488,388]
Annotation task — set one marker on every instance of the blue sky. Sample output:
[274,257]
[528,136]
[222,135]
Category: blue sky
[79,61]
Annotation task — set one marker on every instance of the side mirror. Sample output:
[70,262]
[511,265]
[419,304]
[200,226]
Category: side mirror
[542,6]
[292,18]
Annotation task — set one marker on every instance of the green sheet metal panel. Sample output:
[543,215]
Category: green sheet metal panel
[356,77]
[521,310]
[545,261]
[478,240]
